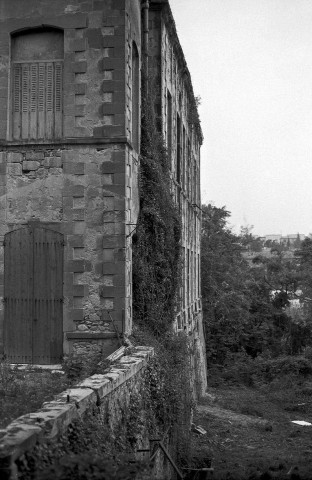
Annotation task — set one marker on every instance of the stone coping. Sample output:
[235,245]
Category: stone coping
[52,419]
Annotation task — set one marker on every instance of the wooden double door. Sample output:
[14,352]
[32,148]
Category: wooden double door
[33,295]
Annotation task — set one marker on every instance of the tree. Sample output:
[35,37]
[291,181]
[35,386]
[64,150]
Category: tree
[247,308]
[247,239]
[297,242]
[231,294]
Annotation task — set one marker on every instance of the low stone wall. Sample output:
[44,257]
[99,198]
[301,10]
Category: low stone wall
[109,393]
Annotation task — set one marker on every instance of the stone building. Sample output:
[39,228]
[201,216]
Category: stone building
[70,75]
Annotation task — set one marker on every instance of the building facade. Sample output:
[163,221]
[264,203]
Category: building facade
[70,99]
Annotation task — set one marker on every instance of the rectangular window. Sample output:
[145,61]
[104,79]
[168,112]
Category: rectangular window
[178,170]
[37,100]
[169,125]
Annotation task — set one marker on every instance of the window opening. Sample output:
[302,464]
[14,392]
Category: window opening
[37,84]
[169,125]
[178,171]
[135,97]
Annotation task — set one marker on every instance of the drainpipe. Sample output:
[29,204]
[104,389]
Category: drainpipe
[145,8]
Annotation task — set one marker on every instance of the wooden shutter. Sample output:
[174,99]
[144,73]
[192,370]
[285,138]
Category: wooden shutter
[41,101]
[37,100]
[33,290]
[48,296]
[33,100]
[16,107]
[25,100]
[58,82]
[18,294]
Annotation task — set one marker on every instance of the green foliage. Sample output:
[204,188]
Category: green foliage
[244,370]
[95,447]
[89,467]
[156,282]
[168,388]
[24,391]
[253,244]
[85,452]
[226,285]
[247,306]
[77,366]
[156,251]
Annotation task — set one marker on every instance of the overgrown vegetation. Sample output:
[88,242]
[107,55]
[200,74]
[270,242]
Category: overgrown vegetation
[101,446]
[249,306]
[86,451]
[24,390]
[258,323]
[168,390]
[156,282]
[156,246]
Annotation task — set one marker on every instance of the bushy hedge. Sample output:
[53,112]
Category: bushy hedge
[252,372]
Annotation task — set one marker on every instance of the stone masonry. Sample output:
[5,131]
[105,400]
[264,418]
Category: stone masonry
[84,184]
[70,88]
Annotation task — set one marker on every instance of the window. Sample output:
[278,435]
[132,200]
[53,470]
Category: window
[135,97]
[37,84]
[178,149]
[169,125]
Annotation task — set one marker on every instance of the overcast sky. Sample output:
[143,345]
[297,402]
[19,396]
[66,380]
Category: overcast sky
[251,63]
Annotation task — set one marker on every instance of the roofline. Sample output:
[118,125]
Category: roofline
[164,6]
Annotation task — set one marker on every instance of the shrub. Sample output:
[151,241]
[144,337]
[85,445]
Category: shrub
[90,467]
[258,371]
[77,365]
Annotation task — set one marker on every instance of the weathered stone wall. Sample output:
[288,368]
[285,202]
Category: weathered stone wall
[108,395]
[183,137]
[70,191]
[85,184]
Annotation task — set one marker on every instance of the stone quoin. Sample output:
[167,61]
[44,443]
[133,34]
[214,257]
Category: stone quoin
[70,126]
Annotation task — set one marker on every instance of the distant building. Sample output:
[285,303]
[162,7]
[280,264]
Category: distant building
[291,239]
[285,240]
[273,238]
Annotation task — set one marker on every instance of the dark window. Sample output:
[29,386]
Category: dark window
[169,125]
[178,170]
[37,84]
[135,98]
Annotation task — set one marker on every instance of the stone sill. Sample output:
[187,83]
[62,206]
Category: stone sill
[63,142]
[49,422]
[89,335]
[31,366]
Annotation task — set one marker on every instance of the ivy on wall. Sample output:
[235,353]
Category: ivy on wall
[156,246]
[157,275]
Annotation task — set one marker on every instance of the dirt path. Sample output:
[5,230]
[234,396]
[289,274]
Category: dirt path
[261,445]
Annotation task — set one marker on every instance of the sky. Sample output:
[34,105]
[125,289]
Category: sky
[251,63]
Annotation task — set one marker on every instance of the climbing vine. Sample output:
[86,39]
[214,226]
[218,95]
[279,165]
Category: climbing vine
[156,282]
[156,246]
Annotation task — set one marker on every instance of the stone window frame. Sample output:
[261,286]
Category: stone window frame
[55,70]
[135,88]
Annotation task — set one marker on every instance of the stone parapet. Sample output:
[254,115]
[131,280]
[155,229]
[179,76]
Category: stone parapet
[51,421]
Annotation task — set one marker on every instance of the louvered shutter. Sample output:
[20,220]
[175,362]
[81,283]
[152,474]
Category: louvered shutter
[58,82]
[25,100]
[37,100]
[33,100]
[17,82]
[41,101]
[49,100]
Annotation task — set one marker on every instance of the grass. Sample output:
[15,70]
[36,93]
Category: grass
[278,391]
[24,391]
